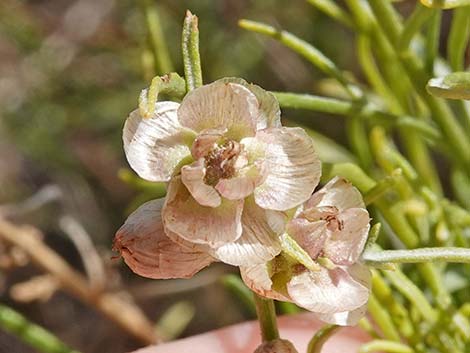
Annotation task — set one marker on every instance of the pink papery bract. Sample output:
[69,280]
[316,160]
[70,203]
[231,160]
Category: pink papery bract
[231,168]
[332,228]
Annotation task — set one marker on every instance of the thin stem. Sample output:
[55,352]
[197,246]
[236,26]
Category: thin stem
[461,187]
[357,135]
[351,172]
[372,73]
[267,318]
[315,103]
[385,346]
[190,48]
[413,25]
[435,281]
[444,254]
[30,333]
[383,319]
[305,49]
[432,41]
[388,19]
[382,187]
[413,293]
[157,39]
[334,11]
[175,320]
[321,336]
[441,112]
[399,315]
[458,38]
[345,108]
[171,84]
[457,44]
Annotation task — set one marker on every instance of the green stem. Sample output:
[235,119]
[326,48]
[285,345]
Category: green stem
[458,38]
[305,49]
[433,277]
[345,108]
[357,135]
[32,334]
[441,112]
[432,41]
[190,48]
[415,148]
[321,336]
[351,172]
[399,224]
[372,73]
[170,84]
[383,319]
[175,320]
[361,15]
[157,39]
[329,8]
[385,346]
[388,19]
[315,103]
[382,187]
[413,293]
[444,254]
[457,44]
[399,315]
[267,318]
[413,25]
[461,187]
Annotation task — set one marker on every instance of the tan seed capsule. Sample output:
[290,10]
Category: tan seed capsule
[276,346]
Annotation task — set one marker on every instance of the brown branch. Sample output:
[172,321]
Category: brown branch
[125,314]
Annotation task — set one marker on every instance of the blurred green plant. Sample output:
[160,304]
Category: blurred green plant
[397,134]
[32,334]
[412,307]
[412,208]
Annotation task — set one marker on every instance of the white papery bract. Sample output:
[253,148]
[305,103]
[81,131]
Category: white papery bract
[332,227]
[232,170]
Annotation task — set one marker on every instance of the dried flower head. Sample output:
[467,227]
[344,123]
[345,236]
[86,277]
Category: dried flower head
[231,170]
[332,228]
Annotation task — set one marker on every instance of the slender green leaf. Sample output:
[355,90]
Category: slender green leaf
[190,47]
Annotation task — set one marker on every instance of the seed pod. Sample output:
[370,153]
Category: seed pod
[276,346]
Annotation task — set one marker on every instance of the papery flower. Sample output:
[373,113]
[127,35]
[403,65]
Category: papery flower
[332,228]
[231,170]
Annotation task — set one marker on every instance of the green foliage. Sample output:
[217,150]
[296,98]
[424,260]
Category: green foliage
[400,179]
[403,146]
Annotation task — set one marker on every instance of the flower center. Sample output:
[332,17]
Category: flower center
[325,213]
[220,162]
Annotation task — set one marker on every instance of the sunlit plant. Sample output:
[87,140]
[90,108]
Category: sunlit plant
[241,186]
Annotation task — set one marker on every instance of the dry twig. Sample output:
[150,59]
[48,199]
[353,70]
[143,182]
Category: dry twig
[125,314]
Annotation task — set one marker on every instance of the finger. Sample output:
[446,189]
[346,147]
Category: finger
[245,337]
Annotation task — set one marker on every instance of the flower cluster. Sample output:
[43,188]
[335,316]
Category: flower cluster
[238,184]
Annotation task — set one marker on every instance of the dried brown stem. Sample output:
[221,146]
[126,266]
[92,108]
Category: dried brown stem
[125,314]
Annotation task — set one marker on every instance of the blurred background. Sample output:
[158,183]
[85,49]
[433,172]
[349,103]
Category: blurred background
[70,72]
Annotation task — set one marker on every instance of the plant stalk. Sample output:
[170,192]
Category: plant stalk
[267,318]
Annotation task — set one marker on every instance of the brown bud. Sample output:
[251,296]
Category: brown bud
[276,346]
